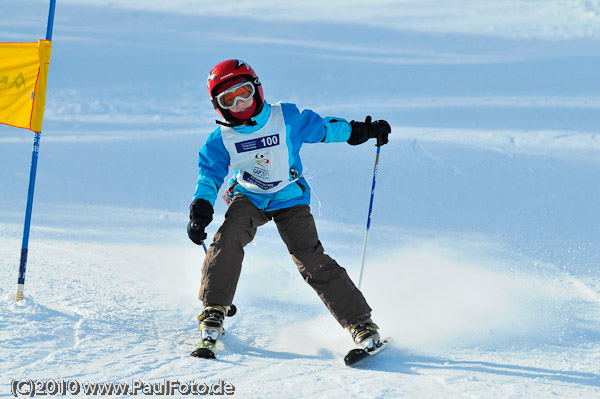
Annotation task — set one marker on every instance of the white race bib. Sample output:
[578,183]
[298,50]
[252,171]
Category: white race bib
[261,159]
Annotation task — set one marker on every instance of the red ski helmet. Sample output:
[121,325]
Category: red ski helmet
[227,73]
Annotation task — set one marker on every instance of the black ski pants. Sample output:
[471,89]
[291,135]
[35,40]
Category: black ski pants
[296,226]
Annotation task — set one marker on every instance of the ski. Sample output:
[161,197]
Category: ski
[205,350]
[356,355]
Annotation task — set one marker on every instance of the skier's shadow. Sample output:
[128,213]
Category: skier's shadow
[238,345]
[400,361]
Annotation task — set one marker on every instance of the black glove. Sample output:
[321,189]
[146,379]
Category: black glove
[363,131]
[201,212]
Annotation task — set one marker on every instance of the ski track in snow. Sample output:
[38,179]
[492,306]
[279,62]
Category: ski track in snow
[482,263]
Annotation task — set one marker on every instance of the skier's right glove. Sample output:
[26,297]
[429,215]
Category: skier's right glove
[201,212]
[363,131]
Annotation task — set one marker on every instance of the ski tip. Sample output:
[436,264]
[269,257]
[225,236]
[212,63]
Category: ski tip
[354,356]
[203,353]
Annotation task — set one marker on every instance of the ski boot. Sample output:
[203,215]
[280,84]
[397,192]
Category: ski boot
[365,334]
[210,324]
[367,340]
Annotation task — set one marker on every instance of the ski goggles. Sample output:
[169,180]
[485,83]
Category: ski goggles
[241,91]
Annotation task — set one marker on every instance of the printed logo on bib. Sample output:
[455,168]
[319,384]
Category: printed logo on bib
[257,144]
[262,164]
[260,184]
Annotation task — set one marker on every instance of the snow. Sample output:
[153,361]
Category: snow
[483,256]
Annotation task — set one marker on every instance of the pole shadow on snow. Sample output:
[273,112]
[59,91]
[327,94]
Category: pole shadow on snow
[399,361]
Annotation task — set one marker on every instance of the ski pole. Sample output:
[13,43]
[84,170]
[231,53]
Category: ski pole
[362,263]
[204,246]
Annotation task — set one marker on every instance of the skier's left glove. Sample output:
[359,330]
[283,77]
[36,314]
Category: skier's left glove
[201,212]
[363,131]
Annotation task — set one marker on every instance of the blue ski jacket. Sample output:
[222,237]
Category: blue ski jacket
[263,153]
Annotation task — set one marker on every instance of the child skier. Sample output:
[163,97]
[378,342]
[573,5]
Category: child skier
[261,142]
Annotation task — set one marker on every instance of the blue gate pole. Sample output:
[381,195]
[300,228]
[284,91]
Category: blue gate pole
[32,175]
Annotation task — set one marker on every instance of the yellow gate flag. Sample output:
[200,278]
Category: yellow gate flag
[23,77]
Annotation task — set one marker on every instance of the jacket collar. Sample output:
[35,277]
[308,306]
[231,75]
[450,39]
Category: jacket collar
[261,120]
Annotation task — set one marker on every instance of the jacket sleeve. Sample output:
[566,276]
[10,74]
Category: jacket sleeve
[337,130]
[213,162]
[315,129]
